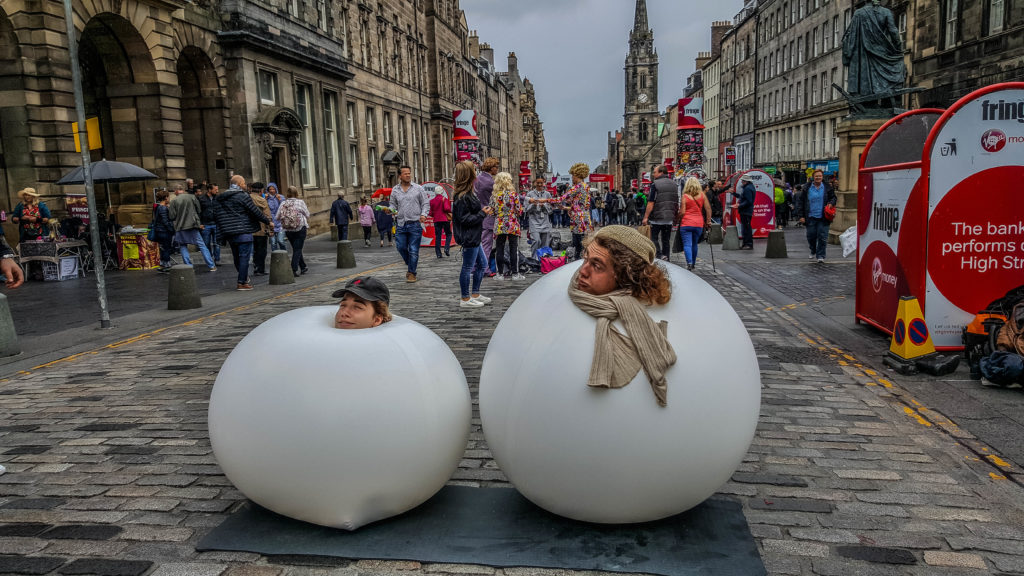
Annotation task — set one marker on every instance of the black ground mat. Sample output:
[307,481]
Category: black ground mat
[498,527]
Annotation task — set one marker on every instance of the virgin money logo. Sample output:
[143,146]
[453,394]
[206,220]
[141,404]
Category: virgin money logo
[879,277]
[993,140]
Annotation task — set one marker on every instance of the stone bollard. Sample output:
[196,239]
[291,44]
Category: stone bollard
[334,232]
[281,268]
[716,236]
[8,336]
[182,293]
[346,257]
[732,238]
[776,244]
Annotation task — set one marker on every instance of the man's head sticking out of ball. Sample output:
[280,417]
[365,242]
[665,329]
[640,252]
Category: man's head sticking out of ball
[364,304]
[619,257]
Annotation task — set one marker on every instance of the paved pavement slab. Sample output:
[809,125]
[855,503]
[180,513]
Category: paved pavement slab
[849,472]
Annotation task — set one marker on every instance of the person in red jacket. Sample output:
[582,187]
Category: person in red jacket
[440,212]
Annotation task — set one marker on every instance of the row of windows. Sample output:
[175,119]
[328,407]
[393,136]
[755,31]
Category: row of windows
[787,15]
[801,96]
[814,43]
[995,17]
[812,140]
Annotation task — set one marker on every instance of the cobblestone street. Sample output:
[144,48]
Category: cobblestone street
[110,471]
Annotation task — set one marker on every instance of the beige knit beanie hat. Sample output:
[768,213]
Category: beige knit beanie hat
[630,238]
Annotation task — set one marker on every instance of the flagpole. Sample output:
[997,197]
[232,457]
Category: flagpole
[90,192]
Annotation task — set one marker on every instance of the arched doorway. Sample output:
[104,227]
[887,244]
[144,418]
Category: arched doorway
[202,117]
[15,150]
[277,130]
[120,86]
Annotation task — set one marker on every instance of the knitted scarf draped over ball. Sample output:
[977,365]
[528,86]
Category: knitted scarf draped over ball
[618,357]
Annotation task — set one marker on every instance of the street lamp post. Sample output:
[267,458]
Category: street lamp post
[90,192]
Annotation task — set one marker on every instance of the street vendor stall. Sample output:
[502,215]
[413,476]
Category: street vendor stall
[135,252]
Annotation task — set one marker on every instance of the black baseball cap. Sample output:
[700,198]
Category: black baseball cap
[367,288]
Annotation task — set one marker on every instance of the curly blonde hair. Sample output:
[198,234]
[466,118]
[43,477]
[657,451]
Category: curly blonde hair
[692,187]
[503,183]
[580,170]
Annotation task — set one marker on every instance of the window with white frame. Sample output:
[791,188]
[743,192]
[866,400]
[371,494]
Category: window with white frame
[835,32]
[817,46]
[268,87]
[350,116]
[996,15]
[321,14]
[372,164]
[293,8]
[824,87]
[387,127]
[307,156]
[371,124]
[800,51]
[951,19]
[353,164]
[401,130]
[342,33]
[331,135]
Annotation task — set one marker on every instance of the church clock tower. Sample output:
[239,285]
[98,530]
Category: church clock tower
[642,115]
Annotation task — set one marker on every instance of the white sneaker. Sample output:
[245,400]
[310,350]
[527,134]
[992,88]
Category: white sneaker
[499,277]
[821,260]
[518,277]
[810,256]
[471,303]
[482,299]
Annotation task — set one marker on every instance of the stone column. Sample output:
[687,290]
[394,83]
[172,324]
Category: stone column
[854,134]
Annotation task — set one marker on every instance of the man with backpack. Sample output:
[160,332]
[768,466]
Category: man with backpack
[237,218]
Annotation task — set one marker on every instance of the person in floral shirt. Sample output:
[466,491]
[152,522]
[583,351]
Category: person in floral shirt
[507,211]
[577,199]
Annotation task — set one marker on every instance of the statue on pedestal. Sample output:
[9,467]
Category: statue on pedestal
[873,53]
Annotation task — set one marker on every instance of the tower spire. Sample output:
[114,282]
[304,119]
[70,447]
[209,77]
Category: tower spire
[640,25]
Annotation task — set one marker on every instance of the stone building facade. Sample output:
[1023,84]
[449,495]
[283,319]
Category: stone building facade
[739,85]
[958,46]
[330,96]
[799,58]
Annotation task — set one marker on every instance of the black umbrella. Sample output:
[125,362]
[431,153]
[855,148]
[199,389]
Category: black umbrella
[107,171]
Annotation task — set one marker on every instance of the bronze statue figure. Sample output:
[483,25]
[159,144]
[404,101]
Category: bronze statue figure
[873,51]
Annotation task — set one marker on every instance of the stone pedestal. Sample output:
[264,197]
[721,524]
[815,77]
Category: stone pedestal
[334,232]
[182,292]
[732,238]
[776,245]
[716,236]
[854,134]
[281,268]
[346,257]
[8,337]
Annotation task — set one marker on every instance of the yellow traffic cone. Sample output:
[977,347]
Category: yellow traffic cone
[911,339]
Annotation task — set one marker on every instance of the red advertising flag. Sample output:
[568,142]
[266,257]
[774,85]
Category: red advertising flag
[633,184]
[524,167]
[691,113]
[669,164]
[465,125]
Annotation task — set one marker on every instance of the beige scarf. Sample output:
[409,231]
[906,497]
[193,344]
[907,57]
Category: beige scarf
[618,357]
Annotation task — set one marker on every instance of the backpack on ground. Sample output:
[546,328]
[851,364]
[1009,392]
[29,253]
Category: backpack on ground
[289,216]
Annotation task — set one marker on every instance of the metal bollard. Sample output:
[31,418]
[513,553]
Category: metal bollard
[281,268]
[776,244]
[346,257]
[182,292]
[8,336]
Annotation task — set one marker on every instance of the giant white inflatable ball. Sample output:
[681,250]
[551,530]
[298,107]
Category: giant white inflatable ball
[615,455]
[339,427]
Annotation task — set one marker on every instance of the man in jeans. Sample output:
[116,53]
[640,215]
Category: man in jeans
[662,209]
[237,218]
[810,209]
[341,213]
[209,228]
[744,205]
[410,206]
[184,211]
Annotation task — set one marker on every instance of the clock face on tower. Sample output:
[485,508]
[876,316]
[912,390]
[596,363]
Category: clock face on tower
[642,98]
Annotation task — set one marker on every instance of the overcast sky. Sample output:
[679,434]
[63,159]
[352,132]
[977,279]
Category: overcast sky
[573,51]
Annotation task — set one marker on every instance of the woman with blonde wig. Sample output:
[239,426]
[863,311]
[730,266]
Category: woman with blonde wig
[507,211]
[691,222]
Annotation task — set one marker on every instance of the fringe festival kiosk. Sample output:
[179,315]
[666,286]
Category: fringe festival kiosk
[940,212]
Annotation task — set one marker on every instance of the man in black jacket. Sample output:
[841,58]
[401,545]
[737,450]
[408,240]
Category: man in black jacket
[237,218]
[810,210]
[341,214]
[206,216]
[745,206]
[662,210]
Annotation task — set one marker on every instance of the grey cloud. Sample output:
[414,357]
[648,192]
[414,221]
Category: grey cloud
[574,51]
